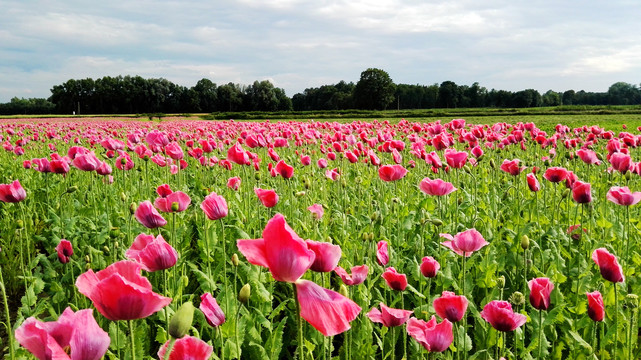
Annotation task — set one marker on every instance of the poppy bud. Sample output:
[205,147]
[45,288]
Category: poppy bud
[307,186]
[181,321]
[245,292]
[633,300]
[146,157]
[371,236]
[234,260]
[546,162]
[257,175]
[436,222]
[132,208]
[492,164]
[565,194]
[525,242]
[628,175]
[105,249]
[467,169]
[72,189]
[300,194]
[123,161]
[375,216]
[20,224]
[365,236]
[185,280]
[123,196]
[87,267]
[500,281]
[517,298]
[116,245]
[343,290]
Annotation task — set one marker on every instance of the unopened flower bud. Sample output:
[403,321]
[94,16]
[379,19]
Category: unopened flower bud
[343,290]
[517,298]
[628,175]
[87,259]
[19,224]
[87,267]
[181,321]
[146,157]
[72,189]
[436,222]
[185,280]
[105,249]
[123,196]
[565,194]
[500,281]
[116,245]
[525,242]
[467,169]
[234,259]
[245,292]
[633,300]
[132,208]
[492,164]
[300,194]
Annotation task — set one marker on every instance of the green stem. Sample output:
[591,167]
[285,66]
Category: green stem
[616,320]
[133,339]
[6,312]
[170,347]
[541,333]
[300,324]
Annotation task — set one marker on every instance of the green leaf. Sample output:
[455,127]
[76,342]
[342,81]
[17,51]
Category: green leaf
[580,340]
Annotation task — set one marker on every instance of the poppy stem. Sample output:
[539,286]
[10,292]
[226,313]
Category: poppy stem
[541,333]
[300,324]
[6,312]
[133,339]
[616,320]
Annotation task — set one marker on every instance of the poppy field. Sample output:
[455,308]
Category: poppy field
[182,239]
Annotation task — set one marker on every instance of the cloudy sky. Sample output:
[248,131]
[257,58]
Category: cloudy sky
[296,44]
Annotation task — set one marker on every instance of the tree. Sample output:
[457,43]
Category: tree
[622,93]
[568,97]
[207,96]
[551,98]
[449,95]
[374,90]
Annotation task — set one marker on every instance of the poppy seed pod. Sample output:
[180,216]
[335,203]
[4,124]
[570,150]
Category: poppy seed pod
[181,321]
[123,196]
[245,292]
[132,208]
[343,290]
[500,281]
[517,298]
[234,259]
[19,224]
[525,242]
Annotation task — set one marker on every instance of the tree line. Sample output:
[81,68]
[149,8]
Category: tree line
[375,90]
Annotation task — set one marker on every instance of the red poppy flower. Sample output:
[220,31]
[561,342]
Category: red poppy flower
[608,265]
[389,317]
[500,315]
[450,306]
[540,289]
[432,336]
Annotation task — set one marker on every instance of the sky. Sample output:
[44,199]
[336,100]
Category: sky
[297,44]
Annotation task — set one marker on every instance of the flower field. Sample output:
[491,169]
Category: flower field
[180,239]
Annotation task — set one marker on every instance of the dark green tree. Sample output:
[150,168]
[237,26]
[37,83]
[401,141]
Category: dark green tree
[622,93]
[374,90]
[551,98]
[449,95]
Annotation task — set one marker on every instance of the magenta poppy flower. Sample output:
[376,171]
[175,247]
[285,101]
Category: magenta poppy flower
[436,187]
[174,151]
[234,183]
[269,198]
[432,336]
[532,182]
[620,162]
[104,169]
[317,210]
[434,159]
[359,274]
[540,289]
[623,196]
[389,317]
[153,253]
[450,306]
[213,313]
[332,174]
[64,250]
[581,192]
[288,257]
[214,206]
[86,162]
[285,170]
[164,190]
[124,163]
[500,315]
[391,172]
[12,193]
[466,242]
[187,348]
[608,265]
[327,255]
[119,292]
[42,165]
[148,216]
[588,156]
[429,267]
[59,166]
[555,174]
[238,155]
[166,204]
[596,309]
[512,167]
[382,254]
[74,336]
[455,159]
[321,163]
[396,281]
[326,310]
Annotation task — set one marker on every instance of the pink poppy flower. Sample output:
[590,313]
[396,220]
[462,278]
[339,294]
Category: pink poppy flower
[187,348]
[540,290]
[588,156]
[455,159]
[532,182]
[429,267]
[153,253]
[166,204]
[269,198]
[86,162]
[148,216]
[327,255]
[466,242]
[213,313]
[581,192]
[608,265]
[596,309]
[382,254]
[432,336]
[238,155]
[174,151]
[450,306]
[389,317]
[623,196]
[119,292]
[286,171]
[512,167]
[436,187]
[359,274]
[396,281]
[391,172]
[234,183]
[317,210]
[555,174]
[214,206]
[64,249]
[72,336]
[500,315]
[12,193]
